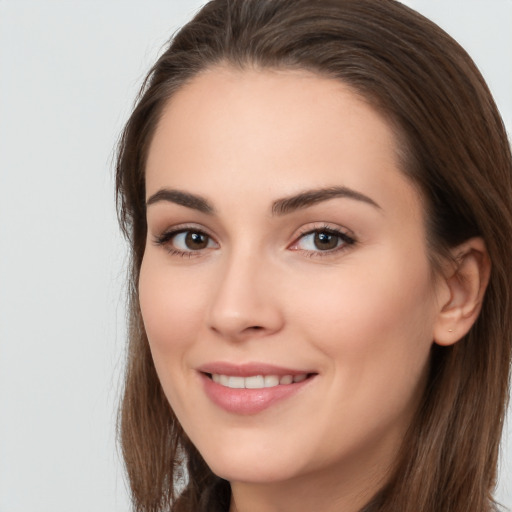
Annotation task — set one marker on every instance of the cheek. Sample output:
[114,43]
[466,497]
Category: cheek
[171,304]
[374,328]
[374,324]
[373,300]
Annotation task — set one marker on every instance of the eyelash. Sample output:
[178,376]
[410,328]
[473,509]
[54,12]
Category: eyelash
[166,237]
[344,241]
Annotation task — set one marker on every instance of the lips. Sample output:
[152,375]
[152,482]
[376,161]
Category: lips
[251,388]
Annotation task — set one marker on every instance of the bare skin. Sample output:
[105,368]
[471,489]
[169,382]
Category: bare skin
[335,283]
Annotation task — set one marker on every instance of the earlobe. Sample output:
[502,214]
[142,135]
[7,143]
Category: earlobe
[465,282]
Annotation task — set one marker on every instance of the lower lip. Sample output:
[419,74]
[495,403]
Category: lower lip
[249,401]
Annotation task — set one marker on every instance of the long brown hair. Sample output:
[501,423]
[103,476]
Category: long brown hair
[454,148]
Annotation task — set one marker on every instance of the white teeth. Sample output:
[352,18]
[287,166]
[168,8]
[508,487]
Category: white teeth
[286,379]
[271,381]
[256,381]
[236,382]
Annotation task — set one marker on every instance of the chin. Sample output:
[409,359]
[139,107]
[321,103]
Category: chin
[253,468]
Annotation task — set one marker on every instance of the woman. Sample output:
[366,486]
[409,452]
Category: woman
[318,201]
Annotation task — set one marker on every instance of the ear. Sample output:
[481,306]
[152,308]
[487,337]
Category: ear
[464,282]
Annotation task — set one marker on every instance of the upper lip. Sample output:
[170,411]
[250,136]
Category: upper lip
[248,369]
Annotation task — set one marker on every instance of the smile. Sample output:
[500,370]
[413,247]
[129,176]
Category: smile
[256,381]
[249,389]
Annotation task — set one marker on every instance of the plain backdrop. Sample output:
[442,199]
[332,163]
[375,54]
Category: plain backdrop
[69,72]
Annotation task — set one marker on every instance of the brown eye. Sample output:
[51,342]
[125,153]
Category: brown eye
[196,241]
[320,241]
[325,241]
[187,241]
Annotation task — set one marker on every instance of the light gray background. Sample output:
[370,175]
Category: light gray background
[69,71]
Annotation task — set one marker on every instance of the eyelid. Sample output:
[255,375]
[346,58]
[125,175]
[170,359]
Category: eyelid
[185,226]
[347,237]
[166,236]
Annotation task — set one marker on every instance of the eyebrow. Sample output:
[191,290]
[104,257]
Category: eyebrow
[182,198]
[279,207]
[312,197]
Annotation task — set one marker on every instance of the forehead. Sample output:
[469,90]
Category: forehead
[272,132]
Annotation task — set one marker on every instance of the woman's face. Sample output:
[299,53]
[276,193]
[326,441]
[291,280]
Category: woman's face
[285,288]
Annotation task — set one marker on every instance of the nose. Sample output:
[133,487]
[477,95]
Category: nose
[244,303]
